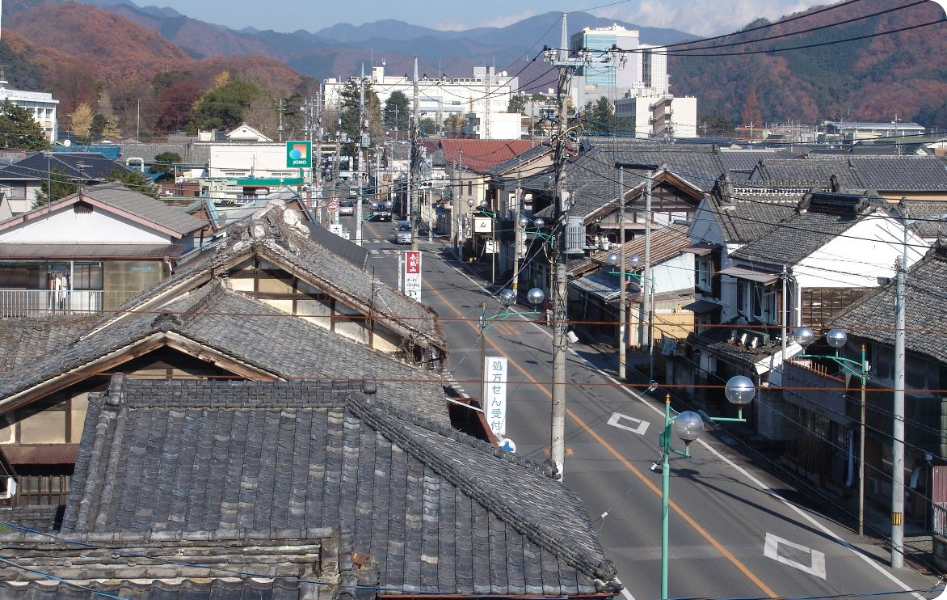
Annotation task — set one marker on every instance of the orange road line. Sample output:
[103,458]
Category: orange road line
[611,450]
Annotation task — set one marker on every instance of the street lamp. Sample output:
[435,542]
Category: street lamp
[507,299]
[837,338]
[687,427]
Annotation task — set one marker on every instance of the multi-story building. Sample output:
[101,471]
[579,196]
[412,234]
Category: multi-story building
[487,92]
[659,116]
[639,67]
[41,104]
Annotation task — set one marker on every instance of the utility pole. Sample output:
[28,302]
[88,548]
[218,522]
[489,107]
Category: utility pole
[361,156]
[413,206]
[897,430]
[622,295]
[518,235]
[646,276]
[566,65]
[279,111]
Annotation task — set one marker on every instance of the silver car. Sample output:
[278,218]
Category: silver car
[403,232]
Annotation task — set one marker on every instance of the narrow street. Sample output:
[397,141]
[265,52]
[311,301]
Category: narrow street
[730,519]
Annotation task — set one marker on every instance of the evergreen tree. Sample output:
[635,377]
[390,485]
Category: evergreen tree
[224,107]
[18,129]
[164,164]
[397,111]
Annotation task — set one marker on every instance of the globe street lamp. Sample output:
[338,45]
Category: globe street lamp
[837,339]
[687,427]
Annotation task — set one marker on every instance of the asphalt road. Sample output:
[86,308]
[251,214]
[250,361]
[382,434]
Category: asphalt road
[735,532]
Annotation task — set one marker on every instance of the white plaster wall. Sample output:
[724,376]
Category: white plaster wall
[240,160]
[674,274]
[65,226]
[864,252]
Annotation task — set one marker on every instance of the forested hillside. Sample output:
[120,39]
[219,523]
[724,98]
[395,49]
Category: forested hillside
[878,78]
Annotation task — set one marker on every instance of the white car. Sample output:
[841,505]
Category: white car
[346,208]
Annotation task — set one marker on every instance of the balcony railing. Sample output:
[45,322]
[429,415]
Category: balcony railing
[40,303]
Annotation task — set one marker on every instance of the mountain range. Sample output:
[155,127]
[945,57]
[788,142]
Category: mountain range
[874,77]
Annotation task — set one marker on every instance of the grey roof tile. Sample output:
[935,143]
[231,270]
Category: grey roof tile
[145,207]
[826,216]
[446,511]
[872,316]
[223,320]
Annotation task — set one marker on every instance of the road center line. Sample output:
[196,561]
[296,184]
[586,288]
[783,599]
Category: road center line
[673,505]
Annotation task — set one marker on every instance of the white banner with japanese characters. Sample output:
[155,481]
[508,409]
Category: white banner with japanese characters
[494,373]
[412,274]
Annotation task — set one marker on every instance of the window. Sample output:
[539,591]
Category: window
[703,273]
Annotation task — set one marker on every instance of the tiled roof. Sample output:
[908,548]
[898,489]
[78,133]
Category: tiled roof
[902,173]
[142,206]
[929,218]
[812,172]
[81,166]
[24,339]
[744,161]
[826,216]
[509,166]
[439,511]
[872,317]
[274,234]
[746,214]
[248,332]
[482,155]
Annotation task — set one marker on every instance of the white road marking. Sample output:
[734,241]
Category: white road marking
[648,403]
[816,564]
[641,428]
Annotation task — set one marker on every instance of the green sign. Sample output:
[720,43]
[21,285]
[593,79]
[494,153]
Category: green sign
[299,155]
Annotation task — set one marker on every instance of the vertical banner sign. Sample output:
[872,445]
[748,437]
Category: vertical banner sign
[299,155]
[412,274]
[494,371]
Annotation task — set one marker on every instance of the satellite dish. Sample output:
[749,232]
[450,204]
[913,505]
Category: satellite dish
[67,143]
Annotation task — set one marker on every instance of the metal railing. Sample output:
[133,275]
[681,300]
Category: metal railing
[40,303]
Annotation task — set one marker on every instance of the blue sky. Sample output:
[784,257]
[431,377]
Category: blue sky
[700,17]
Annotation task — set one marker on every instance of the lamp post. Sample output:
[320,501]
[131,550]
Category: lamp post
[837,338]
[507,299]
[687,426]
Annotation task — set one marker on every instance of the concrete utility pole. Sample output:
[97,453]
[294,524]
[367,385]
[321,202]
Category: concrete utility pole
[897,430]
[646,276]
[519,231]
[622,295]
[361,161]
[566,65]
[279,111]
[413,206]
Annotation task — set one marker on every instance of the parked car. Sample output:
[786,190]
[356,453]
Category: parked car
[403,232]
[346,208]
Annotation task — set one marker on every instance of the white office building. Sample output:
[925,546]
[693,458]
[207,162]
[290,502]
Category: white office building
[41,104]
[439,97]
[639,67]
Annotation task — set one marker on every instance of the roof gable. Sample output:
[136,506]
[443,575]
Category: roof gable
[238,334]
[119,201]
[279,237]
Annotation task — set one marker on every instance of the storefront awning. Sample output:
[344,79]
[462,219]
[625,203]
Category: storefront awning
[702,306]
[750,275]
[601,285]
